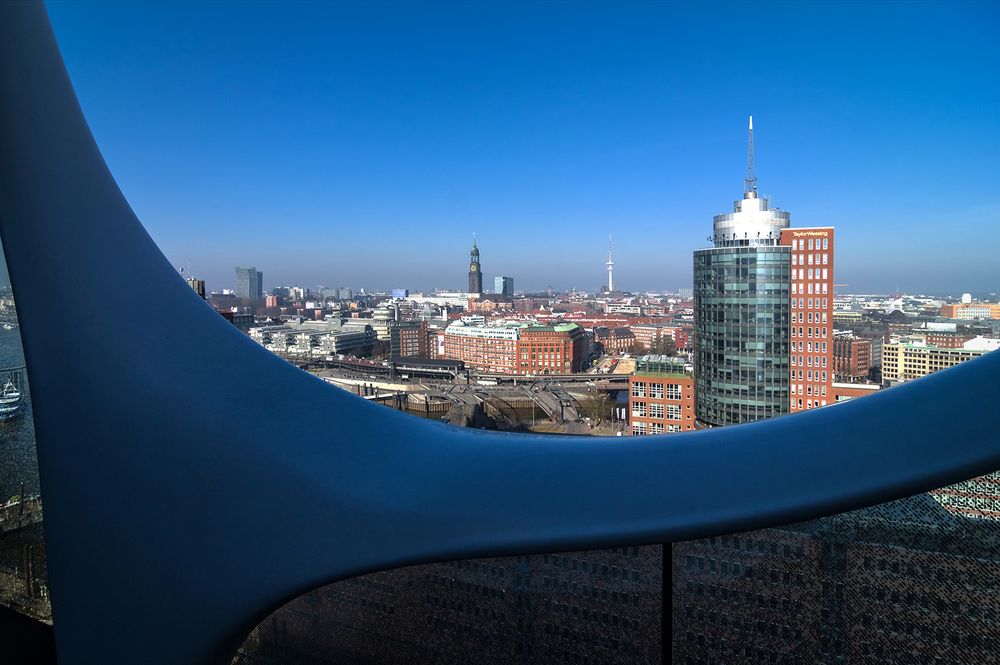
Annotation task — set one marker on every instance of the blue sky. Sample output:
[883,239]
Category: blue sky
[362,144]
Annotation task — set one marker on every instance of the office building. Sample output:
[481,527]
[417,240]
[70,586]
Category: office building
[503,286]
[907,359]
[557,349]
[947,339]
[846,317]
[741,310]
[483,348]
[614,340]
[622,308]
[306,340]
[852,357]
[475,270]
[843,392]
[810,330]
[529,305]
[516,348]
[487,304]
[655,336]
[971,310]
[198,286]
[661,396]
[408,338]
[383,318]
[249,284]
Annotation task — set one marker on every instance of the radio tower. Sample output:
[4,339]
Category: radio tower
[611,267]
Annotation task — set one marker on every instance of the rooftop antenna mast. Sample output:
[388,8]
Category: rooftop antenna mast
[611,267]
[751,181]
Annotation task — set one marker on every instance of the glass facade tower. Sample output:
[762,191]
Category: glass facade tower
[249,284]
[741,305]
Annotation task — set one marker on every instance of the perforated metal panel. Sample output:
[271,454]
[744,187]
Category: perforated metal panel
[911,581]
[589,607]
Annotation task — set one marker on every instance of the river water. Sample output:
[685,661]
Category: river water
[24,549]
[18,463]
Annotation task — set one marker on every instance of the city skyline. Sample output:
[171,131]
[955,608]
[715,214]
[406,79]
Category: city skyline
[294,155]
[458,478]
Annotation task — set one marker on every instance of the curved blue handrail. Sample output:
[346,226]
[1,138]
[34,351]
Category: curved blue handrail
[186,495]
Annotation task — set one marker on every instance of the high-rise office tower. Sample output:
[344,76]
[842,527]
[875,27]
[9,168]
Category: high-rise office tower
[197,285]
[249,284]
[741,305]
[503,286]
[811,330]
[475,270]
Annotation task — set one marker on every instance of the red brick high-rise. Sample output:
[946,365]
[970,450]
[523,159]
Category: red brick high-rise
[810,328]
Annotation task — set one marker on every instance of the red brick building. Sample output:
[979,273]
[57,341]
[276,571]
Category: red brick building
[408,338]
[661,396]
[947,339]
[973,310]
[483,348]
[490,303]
[852,357]
[651,335]
[843,392]
[615,340]
[810,343]
[517,348]
[555,349]
[529,305]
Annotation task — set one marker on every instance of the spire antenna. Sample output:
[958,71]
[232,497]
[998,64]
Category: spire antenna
[751,180]
[611,267]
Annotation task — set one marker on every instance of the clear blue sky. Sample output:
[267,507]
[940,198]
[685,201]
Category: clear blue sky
[362,144]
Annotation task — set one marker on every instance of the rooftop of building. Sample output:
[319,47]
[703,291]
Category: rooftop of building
[858,386]
[465,322]
[976,344]
[660,365]
[557,327]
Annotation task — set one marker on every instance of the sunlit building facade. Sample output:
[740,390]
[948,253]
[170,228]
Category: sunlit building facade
[811,371]
[661,396]
[517,348]
[741,309]
[904,361]
[250,284]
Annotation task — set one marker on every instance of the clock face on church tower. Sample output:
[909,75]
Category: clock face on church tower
[473,268]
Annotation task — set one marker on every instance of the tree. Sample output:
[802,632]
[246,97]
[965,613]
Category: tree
[597,406]
[664,345]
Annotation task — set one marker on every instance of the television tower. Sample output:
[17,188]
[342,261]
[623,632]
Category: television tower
[611,267]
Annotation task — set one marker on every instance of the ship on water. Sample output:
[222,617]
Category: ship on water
[10,401]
